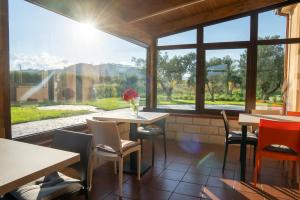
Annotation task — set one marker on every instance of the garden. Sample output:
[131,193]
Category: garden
[176,84]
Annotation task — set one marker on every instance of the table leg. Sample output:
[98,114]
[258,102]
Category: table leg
[131,166]
[243,152]
[132,136]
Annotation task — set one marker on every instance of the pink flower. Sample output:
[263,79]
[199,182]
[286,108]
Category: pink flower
[130,94]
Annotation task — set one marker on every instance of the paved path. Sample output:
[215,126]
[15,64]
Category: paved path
[29,128]
[70,107]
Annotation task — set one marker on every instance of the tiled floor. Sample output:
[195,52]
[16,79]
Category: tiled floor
[193,171]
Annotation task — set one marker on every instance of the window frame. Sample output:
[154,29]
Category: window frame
[251,74]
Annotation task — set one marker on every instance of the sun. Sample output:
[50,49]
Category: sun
[86,31]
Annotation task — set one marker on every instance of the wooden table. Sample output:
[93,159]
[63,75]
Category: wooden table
[21,163]
[253,120]
[143,118]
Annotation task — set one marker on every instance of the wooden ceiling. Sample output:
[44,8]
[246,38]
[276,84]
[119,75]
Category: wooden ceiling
[142,21]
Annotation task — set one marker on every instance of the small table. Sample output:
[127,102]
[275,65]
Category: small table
[142,118]
[253,120]
[21,163]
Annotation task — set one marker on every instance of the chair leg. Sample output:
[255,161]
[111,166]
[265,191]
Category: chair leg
[256,170]
[141,141]
[254,155]
[225,157]
[121,176]
[139,165]
[165,145]
[87,195]
[115,167]
[299,174]
[153,151]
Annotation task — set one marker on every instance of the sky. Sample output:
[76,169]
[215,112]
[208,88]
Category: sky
[42,39]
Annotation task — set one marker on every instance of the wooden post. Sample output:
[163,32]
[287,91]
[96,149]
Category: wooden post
[151,76]
[5,122]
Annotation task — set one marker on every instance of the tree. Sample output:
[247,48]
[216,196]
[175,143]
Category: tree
[170,71]
[270,60]
[129,81]
[230,73]
[212,78]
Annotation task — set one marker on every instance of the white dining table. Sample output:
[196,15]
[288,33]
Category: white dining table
[21,163]
[142,118]
[246,120]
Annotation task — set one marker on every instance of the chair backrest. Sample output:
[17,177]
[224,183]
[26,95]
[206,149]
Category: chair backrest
[293,113]
[266,112]
[226,123]
[79,143]
[105,133]
[279,133]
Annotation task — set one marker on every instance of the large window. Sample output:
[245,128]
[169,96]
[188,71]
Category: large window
[188,37]
[277,30]
[241,64]
[60,68]
[225,82]
[233,30]
[176,79]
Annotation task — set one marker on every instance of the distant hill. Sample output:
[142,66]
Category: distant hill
[117,70]
[108,69]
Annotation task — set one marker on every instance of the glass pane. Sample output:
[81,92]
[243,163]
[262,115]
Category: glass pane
[225,83]
[234,30]
[176,79]
[60,68]
[280,23]
[270,66]
[188,37]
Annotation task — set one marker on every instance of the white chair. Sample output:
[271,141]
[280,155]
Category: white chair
[110,146]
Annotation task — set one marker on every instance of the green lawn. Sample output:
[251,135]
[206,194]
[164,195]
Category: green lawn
[21,114]
[28,113]
[110,103]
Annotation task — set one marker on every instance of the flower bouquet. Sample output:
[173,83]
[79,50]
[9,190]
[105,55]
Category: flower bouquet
[132,97]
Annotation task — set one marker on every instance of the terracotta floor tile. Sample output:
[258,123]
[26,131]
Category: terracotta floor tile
[247,196]
[220,182]
[280,192]
[218,173]
[195,178]
[189,189]
[199,170]
[175,196]
[217,193]
[178,167]
[114,197]
[161,163]
[162,184]
[246,187]
[181,160]
[172,174]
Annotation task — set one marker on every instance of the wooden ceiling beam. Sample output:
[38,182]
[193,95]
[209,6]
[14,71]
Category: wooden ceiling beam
[210,15]
[164,11]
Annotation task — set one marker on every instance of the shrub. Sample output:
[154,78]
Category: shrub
[106,91]
[68,93]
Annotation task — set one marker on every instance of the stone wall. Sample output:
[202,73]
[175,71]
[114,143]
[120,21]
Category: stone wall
[204,130]
[200,129]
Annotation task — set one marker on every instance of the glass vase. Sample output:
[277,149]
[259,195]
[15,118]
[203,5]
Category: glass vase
[134,106]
